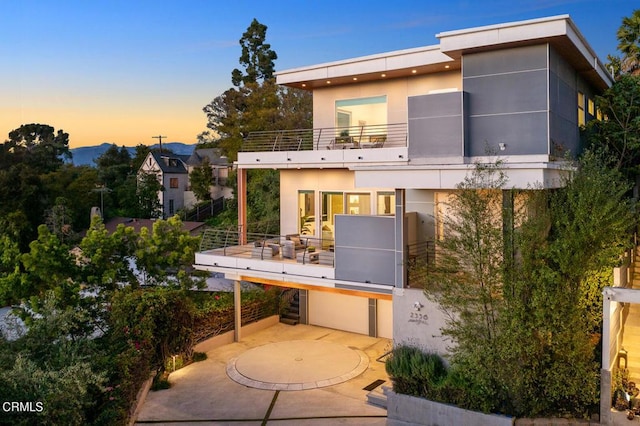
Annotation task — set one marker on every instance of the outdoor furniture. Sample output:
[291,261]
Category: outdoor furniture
[307,257]
[326,258]
[375,141]
[266,251]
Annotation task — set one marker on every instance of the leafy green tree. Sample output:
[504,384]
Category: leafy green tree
[76,184]
[619,133]
[39,146]
[47,266]
[165,254]
[24,197]
[54,364]
[149,205]
[467,281]
[256,103]
[9,269]
[525,330]
[201,179]
[106,257]
[257,56]
[58,219]
[629,42]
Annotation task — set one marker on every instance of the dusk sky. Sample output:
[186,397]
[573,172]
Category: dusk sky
[124,71]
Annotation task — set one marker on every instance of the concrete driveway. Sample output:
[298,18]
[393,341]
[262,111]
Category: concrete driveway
[203,393]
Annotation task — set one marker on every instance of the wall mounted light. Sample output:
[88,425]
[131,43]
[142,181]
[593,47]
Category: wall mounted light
[502,146]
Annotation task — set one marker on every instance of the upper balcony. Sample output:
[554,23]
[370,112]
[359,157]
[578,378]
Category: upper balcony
[325,147]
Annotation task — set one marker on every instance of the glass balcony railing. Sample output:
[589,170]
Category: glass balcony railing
[353,137]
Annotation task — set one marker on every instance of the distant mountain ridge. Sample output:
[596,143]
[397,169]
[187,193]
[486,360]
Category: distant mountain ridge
[85,155]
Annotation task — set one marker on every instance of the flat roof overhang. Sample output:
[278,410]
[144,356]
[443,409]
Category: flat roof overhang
[396,64]
[558,31]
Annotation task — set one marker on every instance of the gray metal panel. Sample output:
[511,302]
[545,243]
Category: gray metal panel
[436,125]
[365,249]
[505,61]
[565,136]
[400,228]
[564,85]
[523,134]
[507,101]
[508,93]
[373,317]
[435,105]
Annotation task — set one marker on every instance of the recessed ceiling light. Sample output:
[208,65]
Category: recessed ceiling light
[413,71]
[446,66]
[383,75]
[355,78]
[328,81]
[304,85]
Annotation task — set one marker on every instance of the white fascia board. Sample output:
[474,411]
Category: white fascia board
[383,62]
[503,33]
[521,176]
[589,54]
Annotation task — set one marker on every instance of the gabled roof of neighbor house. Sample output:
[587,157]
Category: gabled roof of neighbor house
[213,154]
[170,163]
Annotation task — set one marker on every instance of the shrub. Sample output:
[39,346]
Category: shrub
[414,372]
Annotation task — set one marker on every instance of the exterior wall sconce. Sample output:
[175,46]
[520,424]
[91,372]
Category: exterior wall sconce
[417,306]
[502,146]
[622,355]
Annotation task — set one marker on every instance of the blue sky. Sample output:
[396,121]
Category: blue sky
[124,71]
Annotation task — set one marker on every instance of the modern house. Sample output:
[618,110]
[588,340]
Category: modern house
[363,193]
[173,173]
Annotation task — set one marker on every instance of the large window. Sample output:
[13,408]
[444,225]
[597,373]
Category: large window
[306,212]
[332,204]
[359,203]
[581,118]
[386,203]
[361,111]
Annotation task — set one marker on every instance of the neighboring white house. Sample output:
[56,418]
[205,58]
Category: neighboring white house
[173,173]
[394,133]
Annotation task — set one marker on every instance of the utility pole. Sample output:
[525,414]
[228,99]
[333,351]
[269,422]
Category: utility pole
[101,189]
[159,137]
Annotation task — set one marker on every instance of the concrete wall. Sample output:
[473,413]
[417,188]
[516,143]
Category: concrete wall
[508,100]
[405,410]
[420,328]
[397,91]
[339,311]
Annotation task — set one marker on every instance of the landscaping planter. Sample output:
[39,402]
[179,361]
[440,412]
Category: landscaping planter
[405,410]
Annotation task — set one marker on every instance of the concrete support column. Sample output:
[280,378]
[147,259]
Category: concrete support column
[400,240]
[605,372]
[242,206]
[237,311]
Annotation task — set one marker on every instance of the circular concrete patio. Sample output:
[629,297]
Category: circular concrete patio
[297,365]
